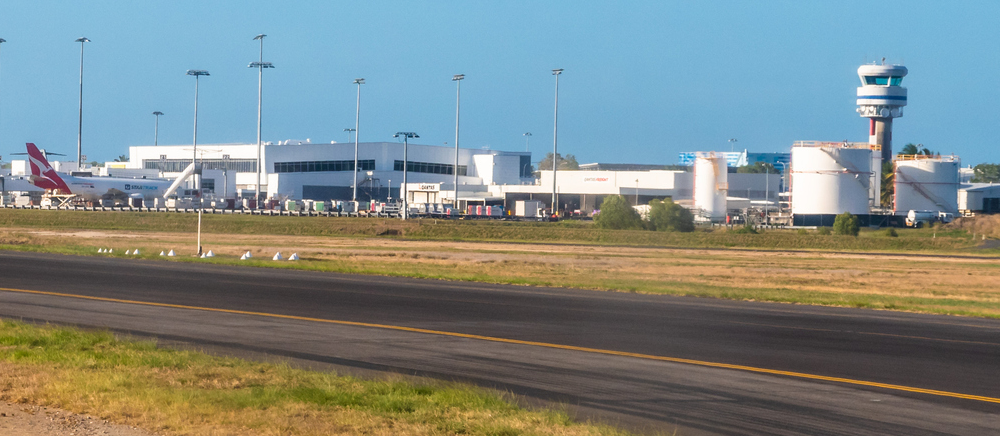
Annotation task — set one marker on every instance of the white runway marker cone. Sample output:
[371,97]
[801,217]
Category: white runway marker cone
[135,252]
[100,250]
[249,255]
[210,254]
[277,256]
[127,252]
[171,253]
[294,256]
[243,257]
[162,253]
[203,255]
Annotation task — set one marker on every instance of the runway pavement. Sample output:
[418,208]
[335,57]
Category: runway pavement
[699,365]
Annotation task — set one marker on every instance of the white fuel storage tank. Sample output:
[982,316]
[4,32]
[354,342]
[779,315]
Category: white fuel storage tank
[830,178]
[711,185]
[926,183]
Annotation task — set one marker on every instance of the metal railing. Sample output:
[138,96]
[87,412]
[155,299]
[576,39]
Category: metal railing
[841,144]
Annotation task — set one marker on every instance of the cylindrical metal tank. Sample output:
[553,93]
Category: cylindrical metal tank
[830,179]
[927,184]
[711,185]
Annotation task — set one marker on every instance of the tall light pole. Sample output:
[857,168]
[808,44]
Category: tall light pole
[732,144]
[458,99]
[197,75]
[194,159]
[1,182]
[259,65]
[357,125]
[555,145]
[526,135]
[156,128]
[781,180]
[349,130]
[79,131]
[406,136]
[767,191]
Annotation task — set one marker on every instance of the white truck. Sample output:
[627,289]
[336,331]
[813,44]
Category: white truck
[921,218]
[529,209]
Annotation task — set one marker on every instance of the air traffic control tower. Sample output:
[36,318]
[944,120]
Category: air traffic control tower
[880,99]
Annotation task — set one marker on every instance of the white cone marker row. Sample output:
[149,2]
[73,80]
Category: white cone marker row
[112,250]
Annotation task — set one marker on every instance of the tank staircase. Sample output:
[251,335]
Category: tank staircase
[900,178]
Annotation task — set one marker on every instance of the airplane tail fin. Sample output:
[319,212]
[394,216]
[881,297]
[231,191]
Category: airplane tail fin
[42,174]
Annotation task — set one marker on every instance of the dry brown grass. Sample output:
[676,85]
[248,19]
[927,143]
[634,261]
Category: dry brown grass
[939,284]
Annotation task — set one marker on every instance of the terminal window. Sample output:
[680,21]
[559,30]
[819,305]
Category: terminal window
[428,167]
[323,166]
[178,165]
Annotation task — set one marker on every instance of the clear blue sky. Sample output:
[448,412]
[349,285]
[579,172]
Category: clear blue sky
[643,80]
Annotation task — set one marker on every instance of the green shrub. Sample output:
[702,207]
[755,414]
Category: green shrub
[846,224]
[667,216]
[823,231]
[891,232]
[616,213]
[802,232]
[747,229]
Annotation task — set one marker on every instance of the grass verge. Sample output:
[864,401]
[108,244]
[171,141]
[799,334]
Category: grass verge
[189,393]
[578,232]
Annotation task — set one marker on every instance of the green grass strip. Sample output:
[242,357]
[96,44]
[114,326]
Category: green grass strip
[185,392]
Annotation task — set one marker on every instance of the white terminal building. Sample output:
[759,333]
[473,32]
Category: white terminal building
[294,169]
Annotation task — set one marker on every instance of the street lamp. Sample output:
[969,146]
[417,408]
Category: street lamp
[156,128]
[79,131]
[732,144]
[458,96]
[406,136]
[260,65]
[555,143]
[636,192]
[194,159]
[526,135]
[357,125]
[349,130]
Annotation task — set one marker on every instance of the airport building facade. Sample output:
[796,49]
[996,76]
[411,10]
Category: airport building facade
[296,169]
[317,171]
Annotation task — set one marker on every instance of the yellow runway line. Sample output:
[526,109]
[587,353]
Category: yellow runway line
[538,344]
